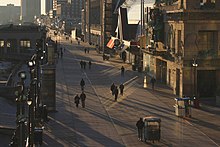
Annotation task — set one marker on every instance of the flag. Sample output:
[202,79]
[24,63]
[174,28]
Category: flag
[110,44]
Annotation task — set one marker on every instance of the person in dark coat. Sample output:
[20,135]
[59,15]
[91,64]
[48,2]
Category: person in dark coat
[84,64]
[152,81]
[61,53]
[90,64]
[140,127]
[58,54]
[121,87]
[112,88]
[116,93]
[81,64]
[122,71]
[88,50]
[85,50]
[83,99]
[82,84]
[77,98]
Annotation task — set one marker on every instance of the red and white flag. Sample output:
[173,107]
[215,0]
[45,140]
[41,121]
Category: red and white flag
[110,44]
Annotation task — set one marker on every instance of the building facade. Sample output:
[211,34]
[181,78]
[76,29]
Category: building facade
[48,6]
[19,41]
[10,14]
[183,50]
[100,21]
[30,9]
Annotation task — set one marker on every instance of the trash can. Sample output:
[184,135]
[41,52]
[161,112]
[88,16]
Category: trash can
[133,67]
[38,135]
[183,107]
[152,129]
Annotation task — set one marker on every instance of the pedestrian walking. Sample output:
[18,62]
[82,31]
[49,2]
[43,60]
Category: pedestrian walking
[88,50]
[81,64]
[112,88]
[82,84]
[152,81]
[121,87]
[77,98]
[140,127]
[90,64]
[61,54]
[83,99]
[85,50]
[122,71]
[116,93]
[58,54]
[84,64]
[78,42]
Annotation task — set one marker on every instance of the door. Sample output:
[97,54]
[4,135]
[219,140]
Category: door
[177,81]
[206,83]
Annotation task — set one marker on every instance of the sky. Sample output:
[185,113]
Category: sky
[17,3]
[134,13]
[5,2]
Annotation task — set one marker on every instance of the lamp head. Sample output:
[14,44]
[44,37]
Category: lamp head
[29,101]
[22,75]
[31,63]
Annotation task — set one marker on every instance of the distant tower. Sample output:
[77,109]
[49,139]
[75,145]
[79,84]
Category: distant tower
[48,5]
[77,6]
[30,9]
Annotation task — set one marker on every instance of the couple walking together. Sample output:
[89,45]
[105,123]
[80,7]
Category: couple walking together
[115,91]
[82,96]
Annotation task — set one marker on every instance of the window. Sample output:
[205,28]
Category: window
[25,44]
[8,44]
[2,43]
[208,40]
[11,46]
[179,41]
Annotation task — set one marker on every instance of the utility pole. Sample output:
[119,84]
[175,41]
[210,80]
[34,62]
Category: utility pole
[142,38]
[103,26]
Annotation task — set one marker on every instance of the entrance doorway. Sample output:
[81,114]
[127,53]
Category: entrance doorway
[206,80]
[177,81]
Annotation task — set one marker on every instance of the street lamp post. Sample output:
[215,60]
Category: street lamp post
[21,109]
[32,102]
[196,101]
[29,102]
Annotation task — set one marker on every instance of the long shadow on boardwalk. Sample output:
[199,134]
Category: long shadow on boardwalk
[81,132]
